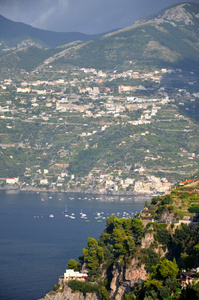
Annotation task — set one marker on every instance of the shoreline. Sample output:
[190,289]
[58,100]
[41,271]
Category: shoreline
[15,189]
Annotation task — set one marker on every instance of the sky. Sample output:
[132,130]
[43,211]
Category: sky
[86,16]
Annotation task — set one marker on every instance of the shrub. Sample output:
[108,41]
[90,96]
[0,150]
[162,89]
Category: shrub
[83,287]
[162,236]
[172,225]
[194,208]
[150,259]
[166,200]
[155,200]
[171,208]
[104,293]
[73,264]
[184,195]
[164,291]
[56,287]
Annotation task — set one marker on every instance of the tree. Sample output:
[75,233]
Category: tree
[111,222]
[164,291]
[118,236]
[100,254]
[138,227]
[92,243]
[73,264]
[129,245]
[194,208]
[162,236]
[196,248]
[166,268]
[127,225]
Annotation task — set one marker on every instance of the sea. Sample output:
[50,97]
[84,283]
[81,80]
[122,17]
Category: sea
[40,232]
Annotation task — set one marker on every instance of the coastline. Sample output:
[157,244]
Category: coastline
[17,189]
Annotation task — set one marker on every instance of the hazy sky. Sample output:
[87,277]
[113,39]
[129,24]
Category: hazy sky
[87,16]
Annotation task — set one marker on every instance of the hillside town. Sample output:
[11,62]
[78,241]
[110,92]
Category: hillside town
[92,103]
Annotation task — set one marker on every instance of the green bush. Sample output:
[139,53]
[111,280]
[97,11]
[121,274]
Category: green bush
[56,287]
[73,264]
[166,200]
[162,236]
[184,195]
[149,258]
[194,208]
[83,287]
[155,200]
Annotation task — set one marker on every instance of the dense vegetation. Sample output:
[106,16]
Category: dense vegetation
[27,59]
[172,250]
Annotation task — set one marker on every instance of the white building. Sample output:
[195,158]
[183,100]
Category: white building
[44,181]
[12,180]
[74,275]
[23,90]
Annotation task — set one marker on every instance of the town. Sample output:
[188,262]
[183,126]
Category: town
[87,130]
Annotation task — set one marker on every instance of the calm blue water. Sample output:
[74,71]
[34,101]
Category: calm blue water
[34,248]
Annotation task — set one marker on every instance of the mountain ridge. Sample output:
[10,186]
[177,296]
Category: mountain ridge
[177,39]
[168,39]
[19,31]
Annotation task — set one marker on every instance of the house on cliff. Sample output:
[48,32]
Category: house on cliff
[75,275]
[187,277]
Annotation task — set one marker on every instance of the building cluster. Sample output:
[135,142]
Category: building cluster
[87,95]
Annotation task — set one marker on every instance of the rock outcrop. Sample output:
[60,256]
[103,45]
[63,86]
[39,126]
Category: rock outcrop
[68,295]
[147,240]
[126,277]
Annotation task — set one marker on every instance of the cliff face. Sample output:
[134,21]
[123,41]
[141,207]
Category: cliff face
[127,251]
[68,295]
[125,277]
[147,240]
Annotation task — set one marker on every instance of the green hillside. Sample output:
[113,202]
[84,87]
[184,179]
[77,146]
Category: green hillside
[147,257]
[26,59]
[155,42]
[168,39]
[127,124]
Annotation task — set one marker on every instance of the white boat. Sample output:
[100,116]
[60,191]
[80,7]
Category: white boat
[66,210]
[82,214]
[84,217]
[51,216]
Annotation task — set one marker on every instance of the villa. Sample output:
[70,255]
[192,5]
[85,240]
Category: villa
[75,275]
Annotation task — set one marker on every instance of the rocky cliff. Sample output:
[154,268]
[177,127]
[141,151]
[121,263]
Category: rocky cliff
[135,256]
[67,294]
[125,277]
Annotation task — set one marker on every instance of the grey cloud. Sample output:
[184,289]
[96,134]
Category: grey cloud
[89,16]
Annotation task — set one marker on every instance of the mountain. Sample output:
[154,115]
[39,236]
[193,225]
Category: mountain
[168,38]
[15,35]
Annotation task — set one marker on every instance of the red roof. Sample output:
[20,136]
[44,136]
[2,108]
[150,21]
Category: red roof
[187,181]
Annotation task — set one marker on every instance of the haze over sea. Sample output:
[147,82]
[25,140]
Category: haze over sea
[35,248]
